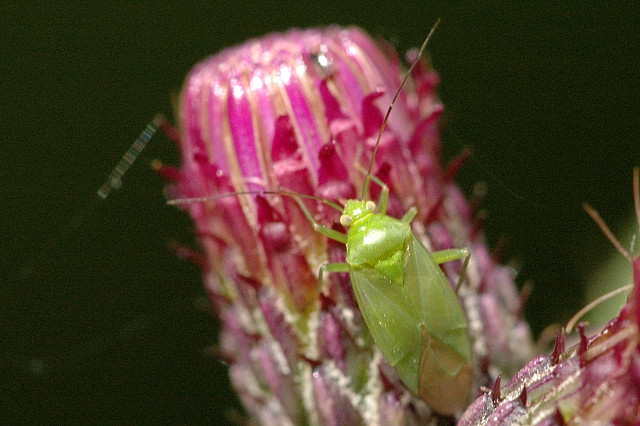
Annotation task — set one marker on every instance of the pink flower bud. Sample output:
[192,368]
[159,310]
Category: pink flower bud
[300,112]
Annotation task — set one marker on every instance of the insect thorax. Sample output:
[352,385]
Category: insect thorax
[380,242]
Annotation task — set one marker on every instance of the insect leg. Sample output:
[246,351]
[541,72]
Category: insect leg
[327,232]
[444,256]
[331,267]
[409,215]
[384,200]
[384,194]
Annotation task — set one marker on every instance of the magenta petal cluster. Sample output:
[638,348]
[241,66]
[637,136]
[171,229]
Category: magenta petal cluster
[300,112]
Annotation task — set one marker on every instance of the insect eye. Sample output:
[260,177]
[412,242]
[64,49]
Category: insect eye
[370,206]
[345,220]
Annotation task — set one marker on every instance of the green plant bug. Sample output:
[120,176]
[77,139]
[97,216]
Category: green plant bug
[407,302]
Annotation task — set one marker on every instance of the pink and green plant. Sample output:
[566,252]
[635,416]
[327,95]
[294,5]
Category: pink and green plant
[301,112]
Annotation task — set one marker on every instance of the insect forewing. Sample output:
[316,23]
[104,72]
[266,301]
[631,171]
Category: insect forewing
[392,321]
[434,300]
[445,371]
[445,377]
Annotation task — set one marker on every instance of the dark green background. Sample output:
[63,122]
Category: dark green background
[102,323]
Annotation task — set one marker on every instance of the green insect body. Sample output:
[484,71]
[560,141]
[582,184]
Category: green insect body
[406,300]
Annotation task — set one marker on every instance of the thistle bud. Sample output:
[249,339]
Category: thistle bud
[300,112]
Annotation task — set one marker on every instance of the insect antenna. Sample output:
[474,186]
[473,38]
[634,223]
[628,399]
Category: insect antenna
[367,179]
[179,201]
[114,180]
